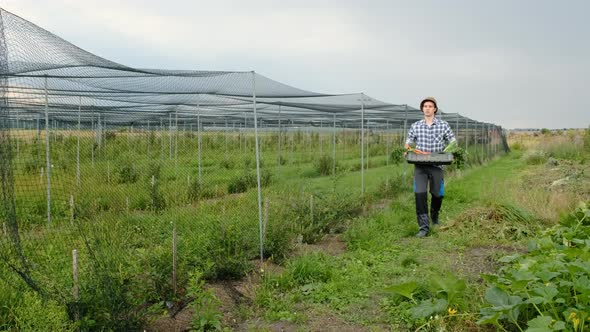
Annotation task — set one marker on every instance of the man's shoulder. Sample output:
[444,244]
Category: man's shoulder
[442,122]
[419,123]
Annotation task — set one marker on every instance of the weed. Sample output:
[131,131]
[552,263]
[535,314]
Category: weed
[325,165]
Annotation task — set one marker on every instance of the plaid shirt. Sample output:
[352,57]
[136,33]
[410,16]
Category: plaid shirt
[432,138]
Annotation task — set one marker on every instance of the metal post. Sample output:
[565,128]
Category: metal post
[170,135]
[226,133]
[457,129]
[78,147]
[334,146]
[199,140]
[404,137]
[362,144]
[47,156]
[257,165]
[466,134]
[176,139]
[387,143]
[279,146]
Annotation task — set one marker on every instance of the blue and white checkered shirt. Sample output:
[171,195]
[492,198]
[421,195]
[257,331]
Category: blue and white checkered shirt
[431,138]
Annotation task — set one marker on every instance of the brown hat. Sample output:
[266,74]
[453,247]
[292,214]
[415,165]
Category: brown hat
[430,99]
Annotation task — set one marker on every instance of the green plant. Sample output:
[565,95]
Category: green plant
[535,157]
[157,200]
[445,294]
[198,190]
[128,172]
[397,155]
[547,289]
[325,165]
[392,186]
[207,317]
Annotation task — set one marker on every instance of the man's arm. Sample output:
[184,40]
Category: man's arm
[449,136]
[411,138]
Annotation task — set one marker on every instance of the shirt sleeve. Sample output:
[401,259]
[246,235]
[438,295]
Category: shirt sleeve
[449,135]
[411,136]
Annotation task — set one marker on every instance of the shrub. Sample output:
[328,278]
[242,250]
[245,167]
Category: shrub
[535,157]
[248,180]
[397,155]
[325,165]
[157,201]
[330,212]
[197,190]
[392,187]
[128,172]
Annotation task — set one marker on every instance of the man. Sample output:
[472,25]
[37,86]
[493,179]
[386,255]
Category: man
[429,135]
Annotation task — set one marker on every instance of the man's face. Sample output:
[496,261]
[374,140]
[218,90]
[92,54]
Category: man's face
[428,108]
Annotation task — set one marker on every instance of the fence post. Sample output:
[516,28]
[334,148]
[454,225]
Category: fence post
[174,260]
[257,165]
[47,156]
[72,210]
[362,144]
[76,288]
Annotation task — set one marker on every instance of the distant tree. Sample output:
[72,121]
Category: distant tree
[545,131]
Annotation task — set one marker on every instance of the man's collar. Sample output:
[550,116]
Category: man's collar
[435,120]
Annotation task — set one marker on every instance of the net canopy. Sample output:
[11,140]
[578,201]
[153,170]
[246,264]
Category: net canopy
[40,69]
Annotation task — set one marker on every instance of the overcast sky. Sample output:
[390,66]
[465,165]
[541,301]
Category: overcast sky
[514,63]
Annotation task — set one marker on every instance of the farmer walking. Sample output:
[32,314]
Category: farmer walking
[429,135]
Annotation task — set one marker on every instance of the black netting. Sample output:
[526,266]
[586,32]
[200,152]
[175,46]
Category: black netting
[156,176]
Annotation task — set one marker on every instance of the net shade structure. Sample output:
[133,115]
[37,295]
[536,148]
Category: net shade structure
[75,127]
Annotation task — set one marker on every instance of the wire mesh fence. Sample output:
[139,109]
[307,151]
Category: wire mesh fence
[121,186]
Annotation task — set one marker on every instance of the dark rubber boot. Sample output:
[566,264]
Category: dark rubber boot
[422,213]
[424,224]
[435,206]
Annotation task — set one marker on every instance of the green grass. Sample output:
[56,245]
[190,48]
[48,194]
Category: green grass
[382,251]
[124,224]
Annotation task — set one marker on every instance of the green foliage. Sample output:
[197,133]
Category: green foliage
[326,214]
[248,180]
[549,281]
[535,157]
[587,139]
[545,131]
[397,155]
[393,186]
[127,171]
[197,191]
[325,165]
[207,317]
[444,293]
[157,201]
[32,313]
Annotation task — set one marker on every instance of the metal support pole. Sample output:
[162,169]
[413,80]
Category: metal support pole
[362,144]
[404,137]
[279,146]
[257,165]
[199,140]
[466,134]
[457,129]
[334,145]
[78,147]
[387,143]
[170,135]
[47,156]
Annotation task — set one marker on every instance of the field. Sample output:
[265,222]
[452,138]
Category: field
[167,232]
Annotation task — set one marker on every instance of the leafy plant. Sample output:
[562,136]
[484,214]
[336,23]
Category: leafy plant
[397,155]
[207,317]
[325,165]
[547,289]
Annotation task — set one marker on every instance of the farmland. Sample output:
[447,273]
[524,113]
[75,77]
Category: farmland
[154,239]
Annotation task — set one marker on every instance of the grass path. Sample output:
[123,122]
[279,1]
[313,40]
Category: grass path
[346,292]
